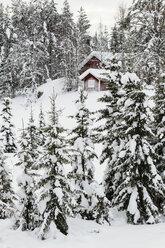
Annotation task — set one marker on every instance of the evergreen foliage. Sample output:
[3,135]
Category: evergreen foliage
[159,124]
[28,217]
[42,124]
[67,31]
[37,43]
[140,189]
[54,185]
[6,192]
[82,41]
[147,38]
[101,39]
[88,194]
[110,134]
[7,128]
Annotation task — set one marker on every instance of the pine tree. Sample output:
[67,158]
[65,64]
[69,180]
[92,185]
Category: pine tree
[110,134]
[42,124]
[82,41]
[5,32]
[159,124]
[67,29]
[28,217]
[82,38]
[7,127]
[50,19]
[140,188]
[6,192]
[32,134]
[115,40]
[54,185]
[6,42]
[28,56]
[147,38]
[92,204]
[101,39]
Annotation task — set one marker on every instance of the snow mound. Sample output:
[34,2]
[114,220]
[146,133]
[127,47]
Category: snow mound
[52,85]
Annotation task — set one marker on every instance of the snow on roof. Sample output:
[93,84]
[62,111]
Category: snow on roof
[102,56]
[97,73]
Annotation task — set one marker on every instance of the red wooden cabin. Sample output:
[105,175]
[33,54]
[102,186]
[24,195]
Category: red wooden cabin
[92,71]
[93,79]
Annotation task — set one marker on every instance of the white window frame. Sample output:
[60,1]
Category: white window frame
[91,83]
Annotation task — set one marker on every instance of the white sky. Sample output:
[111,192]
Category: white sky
[97,10]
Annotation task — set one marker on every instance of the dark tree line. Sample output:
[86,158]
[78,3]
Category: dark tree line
[37,42]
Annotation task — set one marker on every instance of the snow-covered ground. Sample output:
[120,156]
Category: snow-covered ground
[82,234]
[87,234]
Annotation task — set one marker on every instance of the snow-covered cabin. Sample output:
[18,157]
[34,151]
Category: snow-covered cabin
[92,71]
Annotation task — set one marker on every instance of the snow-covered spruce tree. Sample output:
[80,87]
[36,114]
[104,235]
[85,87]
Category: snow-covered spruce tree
[5,45]
[32,135]
[147,33]
[159,125]
[28,56]
[89,195]
[109,134]
[55,197]
[82,36]
[28,217]
[50,20]
[82,41]
[140,188]
[101,39]
[66,45]
[7,127]
[115,41]
[41,133]
[6,191]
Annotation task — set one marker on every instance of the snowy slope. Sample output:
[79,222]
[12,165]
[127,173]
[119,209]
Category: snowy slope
[65,102]
[82,234]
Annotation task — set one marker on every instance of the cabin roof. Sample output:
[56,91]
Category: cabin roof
[102,56]
[97,73]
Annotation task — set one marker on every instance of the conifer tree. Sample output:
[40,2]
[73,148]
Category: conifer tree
[32,134]
[115,39]
[6,42]
[28,217]
[67,40]
[147,38]
[50,19]
[101,39]
[41,134]
[82,36]
[7,127]
[140,188]
[28,55]
[110,134]
[82,41]
[6,192]
[159,125]
[92,204]
[54,185]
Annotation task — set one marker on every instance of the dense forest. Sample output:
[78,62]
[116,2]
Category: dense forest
[37,42]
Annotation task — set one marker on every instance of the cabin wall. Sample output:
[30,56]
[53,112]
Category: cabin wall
[92,84]
[102,86]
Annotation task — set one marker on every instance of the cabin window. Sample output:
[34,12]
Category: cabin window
[91,83]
